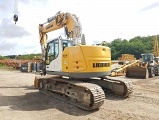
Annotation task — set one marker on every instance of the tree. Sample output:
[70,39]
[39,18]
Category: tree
[135,46]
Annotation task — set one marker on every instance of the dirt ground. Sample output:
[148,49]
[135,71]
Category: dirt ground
[20,101]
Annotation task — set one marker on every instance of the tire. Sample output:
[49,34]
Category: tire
[151,71]
[156,70]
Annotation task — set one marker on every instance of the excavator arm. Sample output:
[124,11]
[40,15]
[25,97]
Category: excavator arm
[68,21]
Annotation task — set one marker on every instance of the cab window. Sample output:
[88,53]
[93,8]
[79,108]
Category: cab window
[67,43]
[53,50]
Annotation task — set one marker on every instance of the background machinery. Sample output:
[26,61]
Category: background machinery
[74,72]
[118,67]
[148,66]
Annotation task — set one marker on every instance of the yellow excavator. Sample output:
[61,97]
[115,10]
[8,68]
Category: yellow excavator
[72,71]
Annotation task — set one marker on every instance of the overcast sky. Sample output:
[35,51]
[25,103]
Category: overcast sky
[102,20]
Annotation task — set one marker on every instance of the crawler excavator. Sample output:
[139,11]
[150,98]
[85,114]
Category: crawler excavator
[74,72]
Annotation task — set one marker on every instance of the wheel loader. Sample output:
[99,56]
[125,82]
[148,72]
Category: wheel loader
[73,71]
[147,68]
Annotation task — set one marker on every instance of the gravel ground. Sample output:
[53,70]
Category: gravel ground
[20,101]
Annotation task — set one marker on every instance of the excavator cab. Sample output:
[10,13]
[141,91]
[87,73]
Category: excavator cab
[55,48]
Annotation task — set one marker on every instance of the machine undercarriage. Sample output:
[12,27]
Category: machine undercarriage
[87,95]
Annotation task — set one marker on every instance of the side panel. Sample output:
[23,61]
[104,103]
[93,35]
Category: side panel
[98,58]
[55,65]
[86,59]
[73,60]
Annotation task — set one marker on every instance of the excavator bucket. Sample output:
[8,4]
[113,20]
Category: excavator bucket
[137,72]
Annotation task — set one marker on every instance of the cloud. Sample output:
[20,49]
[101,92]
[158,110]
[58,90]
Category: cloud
[4,5]
[10,30]
[7,47]
[42,2]
[8,7]
[154,5]
[17,46]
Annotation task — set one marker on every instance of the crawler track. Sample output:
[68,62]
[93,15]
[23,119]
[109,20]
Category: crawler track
[86,96]
[117,86]
[120,87]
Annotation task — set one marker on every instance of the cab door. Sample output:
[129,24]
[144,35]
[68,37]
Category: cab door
[54,55]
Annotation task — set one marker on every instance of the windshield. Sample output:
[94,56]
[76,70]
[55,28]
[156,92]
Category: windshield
[147,58]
